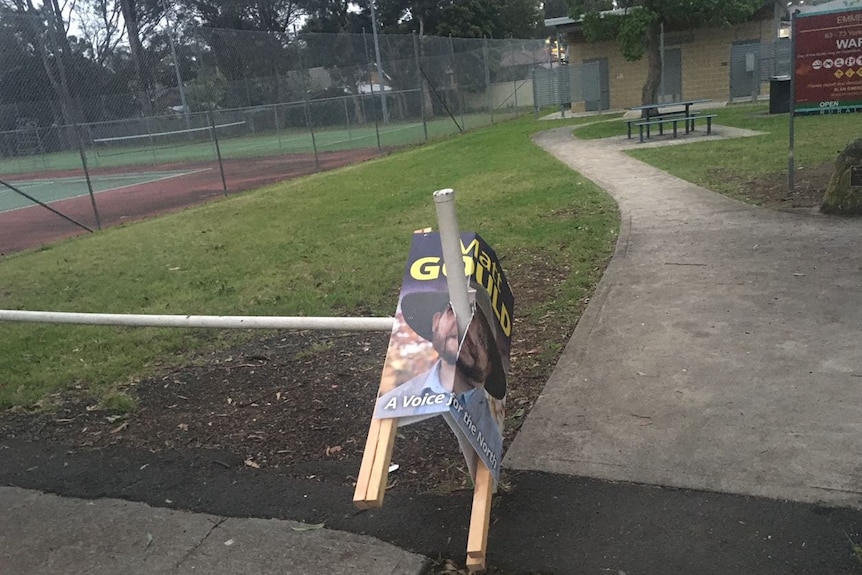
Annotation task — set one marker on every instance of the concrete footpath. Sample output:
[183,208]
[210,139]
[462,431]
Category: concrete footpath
[42,533]
[720,351]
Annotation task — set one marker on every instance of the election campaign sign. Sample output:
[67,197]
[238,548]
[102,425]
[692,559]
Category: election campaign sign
[429,371]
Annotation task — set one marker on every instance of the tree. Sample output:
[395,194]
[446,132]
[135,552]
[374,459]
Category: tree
[638,29]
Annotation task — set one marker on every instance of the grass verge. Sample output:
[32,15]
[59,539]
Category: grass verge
[729,166]
[331,244]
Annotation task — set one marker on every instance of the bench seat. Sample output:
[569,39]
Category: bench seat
[672,119]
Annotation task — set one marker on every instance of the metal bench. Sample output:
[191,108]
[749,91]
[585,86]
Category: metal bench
[654,116]
[674,120]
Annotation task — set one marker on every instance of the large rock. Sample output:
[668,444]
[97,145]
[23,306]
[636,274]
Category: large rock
[842,197]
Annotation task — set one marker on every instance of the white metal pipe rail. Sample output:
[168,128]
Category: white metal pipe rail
[206,321]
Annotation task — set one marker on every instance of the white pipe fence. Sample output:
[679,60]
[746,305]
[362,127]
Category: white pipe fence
[206,321]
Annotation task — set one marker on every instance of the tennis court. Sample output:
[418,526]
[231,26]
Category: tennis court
[50,190]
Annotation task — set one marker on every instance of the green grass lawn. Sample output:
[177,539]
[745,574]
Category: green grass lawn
[331,244]
[722,165]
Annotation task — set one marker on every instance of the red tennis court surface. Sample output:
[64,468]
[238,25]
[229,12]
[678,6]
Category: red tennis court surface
[36,226]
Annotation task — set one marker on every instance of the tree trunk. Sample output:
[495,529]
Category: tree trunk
[136,49]
[653,52]
[426,91]
[48,44]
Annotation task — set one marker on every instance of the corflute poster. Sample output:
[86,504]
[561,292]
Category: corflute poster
[429,371]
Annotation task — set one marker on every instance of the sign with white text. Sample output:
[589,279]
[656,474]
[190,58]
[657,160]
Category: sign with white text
[429,371]
[828,62]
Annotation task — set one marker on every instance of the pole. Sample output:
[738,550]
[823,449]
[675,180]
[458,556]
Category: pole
[456,279]
[87,176]
[379,64]
[450,238]
[371,85]
[277,127]
[490,96]
[421,86]
[560,75]
[455,87]
[308,123]
[44,205]
[180,85]
[218,151]
[202,321]
[791,161]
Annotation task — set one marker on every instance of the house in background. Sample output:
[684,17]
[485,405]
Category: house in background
[718,63]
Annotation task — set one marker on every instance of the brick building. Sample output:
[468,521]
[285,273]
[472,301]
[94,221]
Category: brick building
[719,63]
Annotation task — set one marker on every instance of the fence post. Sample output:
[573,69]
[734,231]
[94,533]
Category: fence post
[419,84]
[218,151]
[456,87]
[277,128]
[308,123]
[517,109]
[347,118]
[149,127]
[87,175]
[488,94]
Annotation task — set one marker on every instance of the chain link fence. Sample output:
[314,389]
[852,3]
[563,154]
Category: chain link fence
[226,110]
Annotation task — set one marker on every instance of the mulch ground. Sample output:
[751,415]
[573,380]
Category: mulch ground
[300,402]
[771,191]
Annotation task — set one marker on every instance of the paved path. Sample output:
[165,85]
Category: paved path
[721,350]
[43,533]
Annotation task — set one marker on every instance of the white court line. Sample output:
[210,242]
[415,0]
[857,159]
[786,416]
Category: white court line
[97,178]
[108,190]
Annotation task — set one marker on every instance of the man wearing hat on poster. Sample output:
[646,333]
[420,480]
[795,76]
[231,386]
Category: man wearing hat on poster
[464,371]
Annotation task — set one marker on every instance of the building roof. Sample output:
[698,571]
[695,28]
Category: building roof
[833,6]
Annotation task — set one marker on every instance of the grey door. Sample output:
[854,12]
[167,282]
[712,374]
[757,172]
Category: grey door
[597,85]
[745,69]
[671,81]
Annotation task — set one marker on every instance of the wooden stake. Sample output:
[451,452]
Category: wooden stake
[360,496]
[374,470]
[480,519]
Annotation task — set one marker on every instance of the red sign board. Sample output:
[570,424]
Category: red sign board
[828,62]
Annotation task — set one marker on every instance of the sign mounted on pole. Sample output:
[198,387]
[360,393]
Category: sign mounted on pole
[828,62]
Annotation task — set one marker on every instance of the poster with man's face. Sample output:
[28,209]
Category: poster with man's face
[429,371]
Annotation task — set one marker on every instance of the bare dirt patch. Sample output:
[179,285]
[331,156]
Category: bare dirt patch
[771,190]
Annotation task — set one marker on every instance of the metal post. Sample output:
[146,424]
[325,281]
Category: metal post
[517,112]
[347,118]
[455,87]
[87,176]
[200,321]
[218,151]
[791,162]
[489,96]
[308,123]
[560,76]
[371,85]
[379,64]
[180,85]
[450,239]
[277,128]
[419,83]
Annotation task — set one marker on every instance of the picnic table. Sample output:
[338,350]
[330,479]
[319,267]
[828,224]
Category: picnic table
[668,113]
